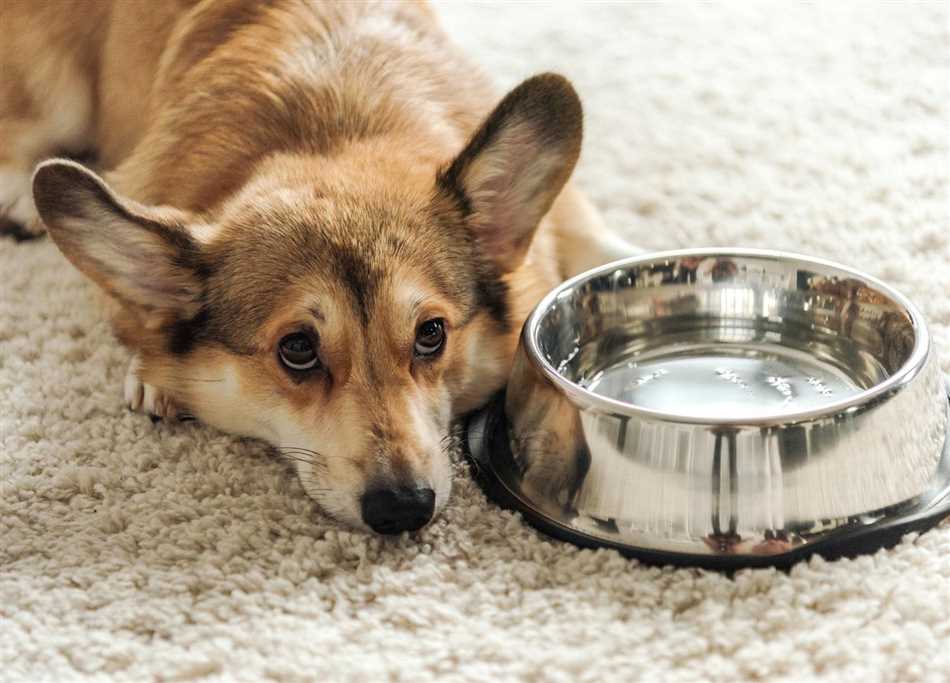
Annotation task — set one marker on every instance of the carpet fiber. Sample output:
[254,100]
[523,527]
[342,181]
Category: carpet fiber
[174,553]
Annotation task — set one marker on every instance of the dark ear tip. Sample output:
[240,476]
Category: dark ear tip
[58,181]
[553,83]
[56,173]
[553,95]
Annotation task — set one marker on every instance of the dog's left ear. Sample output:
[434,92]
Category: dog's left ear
[515,164]
[142,256]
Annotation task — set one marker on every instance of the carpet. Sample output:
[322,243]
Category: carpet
[141,552]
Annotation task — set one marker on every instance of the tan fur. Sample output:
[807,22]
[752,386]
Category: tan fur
[236,137]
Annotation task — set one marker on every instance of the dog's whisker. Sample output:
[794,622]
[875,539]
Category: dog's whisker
[301,457]
[308,459]
[297,459]
[185,380]
[299,449]
[317,457]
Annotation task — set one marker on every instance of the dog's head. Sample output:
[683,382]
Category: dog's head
[342,308]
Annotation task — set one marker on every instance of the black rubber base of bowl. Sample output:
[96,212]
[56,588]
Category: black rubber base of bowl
[847,542]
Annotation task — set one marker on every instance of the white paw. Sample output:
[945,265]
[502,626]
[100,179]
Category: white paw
[146,398]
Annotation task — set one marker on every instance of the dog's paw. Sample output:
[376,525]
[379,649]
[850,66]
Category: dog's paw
[141,397]
[18,216]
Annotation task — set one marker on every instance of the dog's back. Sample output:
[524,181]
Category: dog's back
[182,99]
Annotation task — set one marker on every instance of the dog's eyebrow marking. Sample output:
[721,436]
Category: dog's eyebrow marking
[315,311]
[360,278]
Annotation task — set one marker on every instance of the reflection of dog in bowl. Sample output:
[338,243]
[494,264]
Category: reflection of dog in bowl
[718,269]
[862,310]
[546,436]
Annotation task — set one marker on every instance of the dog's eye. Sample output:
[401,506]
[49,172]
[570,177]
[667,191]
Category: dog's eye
[298,352]
[430,337]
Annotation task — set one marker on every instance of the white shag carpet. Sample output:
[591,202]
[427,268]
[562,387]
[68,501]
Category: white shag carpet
[173,553]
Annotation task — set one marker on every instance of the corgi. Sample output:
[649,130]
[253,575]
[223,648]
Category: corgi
[311,223]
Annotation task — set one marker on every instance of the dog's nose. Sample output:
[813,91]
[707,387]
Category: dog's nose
[391,511]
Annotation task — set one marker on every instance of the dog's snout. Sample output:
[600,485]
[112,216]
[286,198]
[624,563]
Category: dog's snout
[391,511]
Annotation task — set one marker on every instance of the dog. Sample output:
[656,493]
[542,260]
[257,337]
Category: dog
[311,224]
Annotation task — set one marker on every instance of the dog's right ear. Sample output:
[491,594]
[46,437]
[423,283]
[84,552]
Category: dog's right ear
[142,256]
[514,166]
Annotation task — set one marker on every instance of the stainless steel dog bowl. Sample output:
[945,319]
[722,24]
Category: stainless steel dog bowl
[723,408]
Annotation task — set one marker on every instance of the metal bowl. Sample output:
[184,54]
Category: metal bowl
[723,408]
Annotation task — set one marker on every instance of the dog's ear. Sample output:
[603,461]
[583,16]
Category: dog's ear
[144,257]
[515,165]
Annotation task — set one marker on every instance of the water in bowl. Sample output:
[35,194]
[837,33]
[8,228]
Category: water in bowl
[725,381]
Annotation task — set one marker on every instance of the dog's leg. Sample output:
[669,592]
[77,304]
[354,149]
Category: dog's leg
[19,144]
[142,397]
[583,241]
[44,114]
[18,217]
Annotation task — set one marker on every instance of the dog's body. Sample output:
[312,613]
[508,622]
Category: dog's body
[307,234]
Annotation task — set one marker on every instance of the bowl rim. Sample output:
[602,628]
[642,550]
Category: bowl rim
[860,401]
